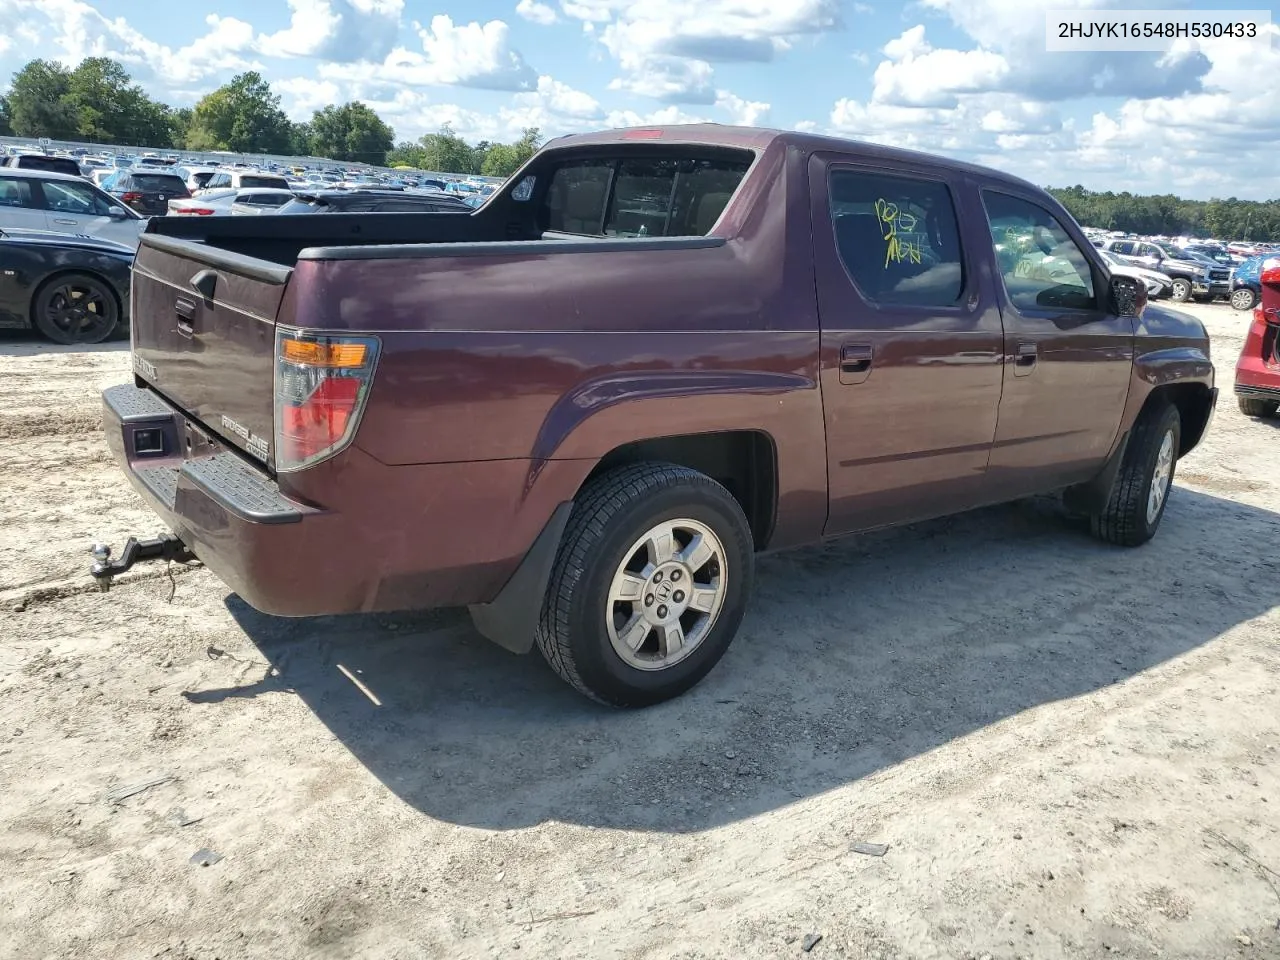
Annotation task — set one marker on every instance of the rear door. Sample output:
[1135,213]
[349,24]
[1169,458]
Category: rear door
[203,335]
[1069,360]
[911,347]
[21,204]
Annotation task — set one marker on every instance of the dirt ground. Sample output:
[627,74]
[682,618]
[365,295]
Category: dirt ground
[1071,750]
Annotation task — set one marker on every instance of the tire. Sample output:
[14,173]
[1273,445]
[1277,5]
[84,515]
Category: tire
[1242,298]
[583,632]
[1255,407]
[1130,519]
[1181,292]
[75,308]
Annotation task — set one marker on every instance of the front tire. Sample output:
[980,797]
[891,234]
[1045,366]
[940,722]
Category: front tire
[1181,292]
[75,308]
[650,584]
[1242,298]
[1142,487]
[1255,407]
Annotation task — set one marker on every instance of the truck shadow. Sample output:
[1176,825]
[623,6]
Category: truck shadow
[28,343]
[855,656]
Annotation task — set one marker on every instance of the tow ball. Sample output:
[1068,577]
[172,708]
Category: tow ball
[163,547]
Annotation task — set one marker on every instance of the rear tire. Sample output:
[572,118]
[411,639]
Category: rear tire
[1254,407]
[1181,292]
[635,653]
[1145,481]
[75,308]
[1242,298]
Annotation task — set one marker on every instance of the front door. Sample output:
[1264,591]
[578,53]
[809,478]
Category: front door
[1068,359]
[911,346]
[80,208]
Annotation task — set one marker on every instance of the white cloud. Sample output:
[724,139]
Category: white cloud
[536,12]
[465,55]
[339,30]
[747,113]
[560,98]
[666,47]
[918,75]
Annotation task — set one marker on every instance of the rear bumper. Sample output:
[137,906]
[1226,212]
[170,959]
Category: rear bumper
[388,537]
[1257,392]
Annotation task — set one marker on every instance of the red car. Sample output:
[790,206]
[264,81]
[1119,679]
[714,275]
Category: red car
[1258,370]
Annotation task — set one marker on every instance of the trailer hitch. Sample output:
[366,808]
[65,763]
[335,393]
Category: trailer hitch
[164,547]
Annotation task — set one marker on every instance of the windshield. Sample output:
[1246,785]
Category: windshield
[158,181]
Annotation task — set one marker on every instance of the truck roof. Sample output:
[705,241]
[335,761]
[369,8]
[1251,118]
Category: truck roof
[758,138]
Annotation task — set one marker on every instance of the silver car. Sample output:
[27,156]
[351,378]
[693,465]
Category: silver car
[39,200]
[248,201]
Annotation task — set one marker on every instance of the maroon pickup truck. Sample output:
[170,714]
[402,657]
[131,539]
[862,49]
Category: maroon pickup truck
[582,409]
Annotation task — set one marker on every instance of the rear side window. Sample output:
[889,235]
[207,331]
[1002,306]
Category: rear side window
[662,197]
[1123,247]
[75,198]
[260,182]
[159,182]
[201,178]
[898,237]
[1041,265]
[15,192]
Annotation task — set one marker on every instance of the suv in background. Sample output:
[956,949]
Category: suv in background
[1246,282]
[41,161]
[374,201]
[147,191]
[241,179]
[1192,277]
[37,200]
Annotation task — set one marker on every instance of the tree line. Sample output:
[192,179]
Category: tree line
[98,102]
[1170,216]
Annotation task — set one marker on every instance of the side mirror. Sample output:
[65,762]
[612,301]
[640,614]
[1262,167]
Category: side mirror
[1128,296]
[117,213]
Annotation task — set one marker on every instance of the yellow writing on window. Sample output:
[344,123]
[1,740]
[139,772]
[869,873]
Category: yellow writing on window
[896,227]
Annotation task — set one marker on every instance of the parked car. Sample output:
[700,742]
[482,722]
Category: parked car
[1191,276]
[239,179]
[1159,285]
[1258,369]
[1246,282]
[373,201]
[73,289]
[36,200]
[231,203]
[583,408]
[147,191]
[42,161]
[196,178]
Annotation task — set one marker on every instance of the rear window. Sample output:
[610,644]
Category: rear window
[202,177]
[640,197]
[52,164]
[249,180]
[301,206]
[160,182]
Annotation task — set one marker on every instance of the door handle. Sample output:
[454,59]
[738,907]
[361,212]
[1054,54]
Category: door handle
[855,362]
[1023,363]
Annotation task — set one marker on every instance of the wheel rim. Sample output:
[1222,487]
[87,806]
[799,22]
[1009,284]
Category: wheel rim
[1181,288]
[1242,299]
[77,308]
[1160,478]
[667,594]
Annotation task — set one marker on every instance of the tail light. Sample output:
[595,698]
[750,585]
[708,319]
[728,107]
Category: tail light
[321,386]
[194,211]
[131,196]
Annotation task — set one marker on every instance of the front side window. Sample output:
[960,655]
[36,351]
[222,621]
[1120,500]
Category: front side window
[1123,247]
[75,198]
[898,237]
[16,192]
[1041,265]
[666,197]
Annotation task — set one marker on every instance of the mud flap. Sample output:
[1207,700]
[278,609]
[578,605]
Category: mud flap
[508,620]
[1092,497]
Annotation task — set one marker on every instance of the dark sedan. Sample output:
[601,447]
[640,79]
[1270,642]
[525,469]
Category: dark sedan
[373,201]
[147,191]
[73,289]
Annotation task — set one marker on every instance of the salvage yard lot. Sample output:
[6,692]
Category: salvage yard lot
[1071,750]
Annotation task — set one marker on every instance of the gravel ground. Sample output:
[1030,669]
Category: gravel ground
[1070,750]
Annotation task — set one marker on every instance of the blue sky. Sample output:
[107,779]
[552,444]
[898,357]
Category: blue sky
[966,78]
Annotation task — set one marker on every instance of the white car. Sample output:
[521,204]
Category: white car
[39,200]
[1158,284]
[231,203]
[242,179]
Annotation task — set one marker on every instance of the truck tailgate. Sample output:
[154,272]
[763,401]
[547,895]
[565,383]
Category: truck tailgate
[204,335]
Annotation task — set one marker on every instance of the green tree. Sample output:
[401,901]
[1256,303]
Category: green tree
[6,129]
[180,121]
[300,140]
[351,132]
[504,159]
[110,108]
[443,152]
[242,115]
[37,107]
